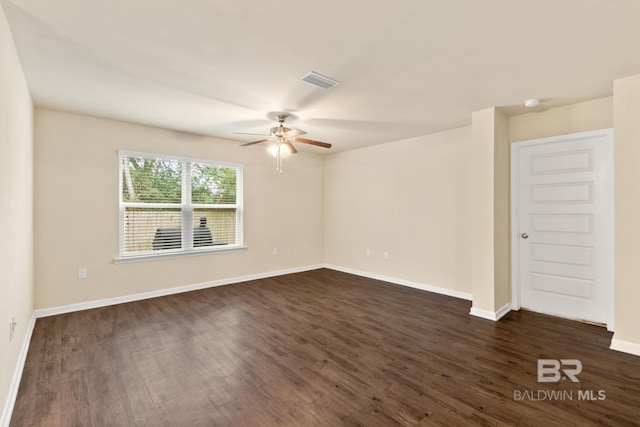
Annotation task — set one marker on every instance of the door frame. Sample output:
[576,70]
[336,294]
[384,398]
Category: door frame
[610,218]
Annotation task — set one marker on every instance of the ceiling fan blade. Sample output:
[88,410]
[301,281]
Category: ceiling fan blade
[254,142]
[312,142]
[290,145]
[294,132]
[245,133]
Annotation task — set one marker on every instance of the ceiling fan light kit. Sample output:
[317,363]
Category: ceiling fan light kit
[282,148]
[284,138]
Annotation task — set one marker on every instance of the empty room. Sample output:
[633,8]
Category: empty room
[292,213]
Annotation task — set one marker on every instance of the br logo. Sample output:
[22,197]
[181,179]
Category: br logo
[553,370]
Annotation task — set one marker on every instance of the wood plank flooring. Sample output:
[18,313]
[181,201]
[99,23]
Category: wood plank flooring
[319,348]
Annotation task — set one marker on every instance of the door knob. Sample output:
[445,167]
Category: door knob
[524,235]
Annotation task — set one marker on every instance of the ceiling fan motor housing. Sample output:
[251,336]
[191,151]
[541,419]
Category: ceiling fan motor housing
[278,131]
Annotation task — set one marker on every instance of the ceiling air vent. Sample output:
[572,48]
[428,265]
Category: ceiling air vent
[319,80]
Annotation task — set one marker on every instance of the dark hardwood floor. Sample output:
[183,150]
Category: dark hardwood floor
[320,348]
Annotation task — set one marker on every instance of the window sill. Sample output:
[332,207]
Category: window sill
[154,256]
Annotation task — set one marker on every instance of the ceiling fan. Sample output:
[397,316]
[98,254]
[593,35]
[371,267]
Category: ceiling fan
[284,138]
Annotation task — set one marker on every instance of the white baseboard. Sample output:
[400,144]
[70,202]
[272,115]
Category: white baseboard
[394,280]
[164,292]
[625,346]
[17,376]
[170,291]
[491,315]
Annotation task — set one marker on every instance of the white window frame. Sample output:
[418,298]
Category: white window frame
[186,210]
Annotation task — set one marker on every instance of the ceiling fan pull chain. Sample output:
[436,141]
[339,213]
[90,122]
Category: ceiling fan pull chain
[279,158]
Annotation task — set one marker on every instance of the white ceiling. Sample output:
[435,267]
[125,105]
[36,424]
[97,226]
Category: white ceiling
[406,68]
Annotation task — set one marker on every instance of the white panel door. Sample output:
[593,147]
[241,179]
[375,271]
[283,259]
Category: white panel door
[563,225]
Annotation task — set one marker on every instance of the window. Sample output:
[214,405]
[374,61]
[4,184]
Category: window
[174,205]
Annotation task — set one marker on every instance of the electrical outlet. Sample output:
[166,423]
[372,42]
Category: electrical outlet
[82,273]
[385,255]
[275,251]
[368,252]
[12,328]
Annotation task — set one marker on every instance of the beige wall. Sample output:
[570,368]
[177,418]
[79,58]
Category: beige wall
[626,113]
[490,205]
[481,237]
[502,211]
[580,117]
[16,209]
[76,210]
[411,198]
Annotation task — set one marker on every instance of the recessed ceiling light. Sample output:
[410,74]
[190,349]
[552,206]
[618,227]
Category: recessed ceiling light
[533,102]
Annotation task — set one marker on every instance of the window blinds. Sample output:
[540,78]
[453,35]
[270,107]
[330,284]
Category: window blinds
[178,205]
